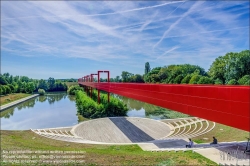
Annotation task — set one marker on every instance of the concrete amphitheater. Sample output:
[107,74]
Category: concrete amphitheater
[150,135]
[129,130]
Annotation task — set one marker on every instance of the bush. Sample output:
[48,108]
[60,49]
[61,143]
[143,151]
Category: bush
[41,91]
[89,108]
[178,79]
[232,82]
[218,82]
[186,79]
[73,89]
[245,80]
[2,90]
[7,89]
[195,79]
[205,80]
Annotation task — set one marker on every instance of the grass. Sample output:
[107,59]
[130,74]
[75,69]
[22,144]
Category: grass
[12,97]
[223,133]
[100,154]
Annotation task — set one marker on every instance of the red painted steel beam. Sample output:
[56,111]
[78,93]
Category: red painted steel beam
[227,105]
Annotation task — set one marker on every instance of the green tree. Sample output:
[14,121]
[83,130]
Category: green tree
[230,66]
[195,79]
[245,80]
[3,80]
[232,82]
[2,90]
[147,68]
[51,84]
[42,85]
[126,76]
[186,79]
[205,80]
[7,89]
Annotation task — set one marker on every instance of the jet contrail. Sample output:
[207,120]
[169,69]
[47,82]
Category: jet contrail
[104,14]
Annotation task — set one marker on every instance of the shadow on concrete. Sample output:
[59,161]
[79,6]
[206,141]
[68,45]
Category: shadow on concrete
[171,143]
[131,131]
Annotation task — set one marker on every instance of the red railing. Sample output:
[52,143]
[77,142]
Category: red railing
[227,105]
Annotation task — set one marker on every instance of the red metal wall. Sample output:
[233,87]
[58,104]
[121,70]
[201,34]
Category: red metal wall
[227,105]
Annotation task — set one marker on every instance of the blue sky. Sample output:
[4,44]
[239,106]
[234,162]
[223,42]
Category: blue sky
[72,39]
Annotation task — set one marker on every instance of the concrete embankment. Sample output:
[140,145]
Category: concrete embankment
[6,106]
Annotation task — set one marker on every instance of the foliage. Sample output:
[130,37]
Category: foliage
[24,84]
[89,108]
[147,68]
[73,89]
[41,91]
[231,66]
[205,80]
[245,80]
[194,79]
[186,79]
[232,82]
[218,82]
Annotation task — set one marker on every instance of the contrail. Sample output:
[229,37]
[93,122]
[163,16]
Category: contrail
[104,14]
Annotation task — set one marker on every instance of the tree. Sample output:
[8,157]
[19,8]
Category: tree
[51,84]
[137,78]
[2,90]
[147,68]
[230,66]
[195,79]
[245,80]
[42,85]
[186,79]
[232,82]
[30,87]
[205,80]
[126,76]
[3,80]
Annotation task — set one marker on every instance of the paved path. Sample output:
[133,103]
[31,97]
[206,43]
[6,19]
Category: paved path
[227,155]
[6,106]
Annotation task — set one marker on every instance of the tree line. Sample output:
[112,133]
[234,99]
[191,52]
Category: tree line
[230,69]
[23,84]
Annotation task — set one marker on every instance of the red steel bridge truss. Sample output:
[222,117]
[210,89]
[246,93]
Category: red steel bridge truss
[228,105]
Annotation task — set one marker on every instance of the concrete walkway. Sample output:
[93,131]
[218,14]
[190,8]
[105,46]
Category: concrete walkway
[227,155]
[6,106]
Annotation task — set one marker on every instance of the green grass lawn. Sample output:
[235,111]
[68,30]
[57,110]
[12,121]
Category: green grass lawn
[100,154]
[12,97]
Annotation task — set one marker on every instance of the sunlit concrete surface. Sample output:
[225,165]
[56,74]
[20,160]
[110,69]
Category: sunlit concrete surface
[121,130]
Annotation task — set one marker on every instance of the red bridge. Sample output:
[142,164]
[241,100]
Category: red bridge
[228,105]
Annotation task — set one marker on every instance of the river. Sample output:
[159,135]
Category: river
[59,110]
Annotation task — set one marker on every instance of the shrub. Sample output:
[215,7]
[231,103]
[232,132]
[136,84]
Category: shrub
[89,108]
[218,82]
[195,79]
[232,82]
[205,80]
[178,79]
[186,79]
[2,90]
[245,80]
[41,91]
[73,89]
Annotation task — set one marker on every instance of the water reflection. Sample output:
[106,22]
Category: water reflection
[59,110]
[141,109]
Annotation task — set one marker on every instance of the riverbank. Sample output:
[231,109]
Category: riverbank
[12,97]
[99,154]
[6,106]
